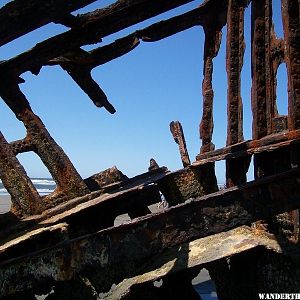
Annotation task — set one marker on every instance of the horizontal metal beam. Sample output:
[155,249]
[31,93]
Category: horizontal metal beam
[90,29]
[113,254]
[268,143]
[200,253]
[19,17]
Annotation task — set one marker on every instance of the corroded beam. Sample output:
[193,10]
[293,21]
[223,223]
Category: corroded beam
[236,170]
[263,77]
[198,16]
[83,77]
[102,206]
[268,143]
[90,29]
[200,252]
[111,255]
[25,198]
[291,17]
[19,17]
[178,135]
[69,182]
[235,47]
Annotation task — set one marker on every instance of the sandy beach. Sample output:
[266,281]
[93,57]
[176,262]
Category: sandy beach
[5,203]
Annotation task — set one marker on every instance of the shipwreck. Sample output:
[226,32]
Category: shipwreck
[65,245]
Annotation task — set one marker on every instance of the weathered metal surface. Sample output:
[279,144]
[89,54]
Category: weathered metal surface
[200,252]
[38,139]
[235,48]
[25,198]
[20,17]
[212,44]
[49,239]
[236,169]
[290,17]
[106,177]
[97,209]
[110,255]
[89,29]
[190,182]
[178,135]
[249,147]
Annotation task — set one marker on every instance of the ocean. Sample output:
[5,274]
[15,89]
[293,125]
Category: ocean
[44,186]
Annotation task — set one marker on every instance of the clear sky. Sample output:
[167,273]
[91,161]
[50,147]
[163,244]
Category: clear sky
[151,86]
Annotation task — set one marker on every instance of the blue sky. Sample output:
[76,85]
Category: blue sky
[150,87]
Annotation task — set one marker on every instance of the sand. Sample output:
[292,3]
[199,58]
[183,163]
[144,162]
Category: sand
[5,203]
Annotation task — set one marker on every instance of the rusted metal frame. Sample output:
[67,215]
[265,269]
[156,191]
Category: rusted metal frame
[19,17]
[251,146]
[25,198]
[279,122]
[117,253]
[91,217]
[212,43]
[235,48]
[262,81]
[290,18]
[211,48]
[69,182]
[190,182]
[236,169]
[82,76]
[21,146]
[155,32]
[79,64]
[123,45]
[202,252]
[93,26]
[178,135]
[34,240]
[122,198]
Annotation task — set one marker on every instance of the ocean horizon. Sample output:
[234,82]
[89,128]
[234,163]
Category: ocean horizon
[43,185]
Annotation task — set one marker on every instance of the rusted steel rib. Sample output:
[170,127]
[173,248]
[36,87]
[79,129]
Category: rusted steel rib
[291,17]
[124,45]
[69,182]
[152,33]
[212,44]
[111,252]
[263,78]
[25,198]
[235,47]
[82,76]
[92,27]
[236,169]
[178,135]
[19,17]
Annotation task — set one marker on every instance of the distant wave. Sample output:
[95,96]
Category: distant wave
[40,191]
[44,186]
[41,181]
[3,192]
[44,191]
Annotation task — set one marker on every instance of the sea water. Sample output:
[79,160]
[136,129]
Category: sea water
[44,186]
